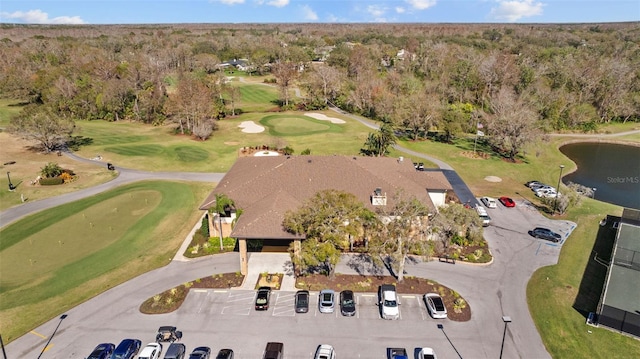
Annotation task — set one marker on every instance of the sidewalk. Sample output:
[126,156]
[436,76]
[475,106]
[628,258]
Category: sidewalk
[271,263]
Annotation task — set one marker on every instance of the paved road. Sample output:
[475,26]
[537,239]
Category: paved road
[125,176]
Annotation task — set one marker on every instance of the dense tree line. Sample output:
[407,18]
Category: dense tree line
[516,80]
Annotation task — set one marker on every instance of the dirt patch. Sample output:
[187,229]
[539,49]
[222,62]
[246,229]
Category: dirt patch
[273,280]
[24,165]
[457,308]
[231,143]
[475,155]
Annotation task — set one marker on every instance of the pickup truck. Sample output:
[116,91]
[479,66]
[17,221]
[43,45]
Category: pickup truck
[397,353]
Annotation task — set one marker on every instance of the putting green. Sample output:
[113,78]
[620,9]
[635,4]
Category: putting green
[297,125]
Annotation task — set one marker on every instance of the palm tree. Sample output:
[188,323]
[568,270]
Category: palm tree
[223,203]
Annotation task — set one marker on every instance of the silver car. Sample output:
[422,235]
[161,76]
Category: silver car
[326,301]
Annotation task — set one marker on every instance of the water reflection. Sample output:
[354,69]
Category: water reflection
[612,169]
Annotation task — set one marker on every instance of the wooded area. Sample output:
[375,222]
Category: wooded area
[515,81]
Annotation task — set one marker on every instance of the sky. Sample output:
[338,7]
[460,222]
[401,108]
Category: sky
[316,11]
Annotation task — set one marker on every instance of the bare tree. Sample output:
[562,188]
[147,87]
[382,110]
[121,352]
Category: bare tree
[42,124]
[285,73]
[512,123]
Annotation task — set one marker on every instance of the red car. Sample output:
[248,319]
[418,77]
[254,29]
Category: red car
[507,202]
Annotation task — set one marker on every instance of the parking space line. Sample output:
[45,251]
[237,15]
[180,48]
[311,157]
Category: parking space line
[283,306]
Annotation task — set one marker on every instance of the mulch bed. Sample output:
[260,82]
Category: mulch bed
[170,300]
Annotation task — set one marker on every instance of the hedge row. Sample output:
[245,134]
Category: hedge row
[51,181]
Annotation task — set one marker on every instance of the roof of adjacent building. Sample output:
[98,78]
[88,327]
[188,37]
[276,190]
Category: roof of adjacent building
[265,188]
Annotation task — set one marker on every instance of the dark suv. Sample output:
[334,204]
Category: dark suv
[273,351]
[546,234]
[127,349]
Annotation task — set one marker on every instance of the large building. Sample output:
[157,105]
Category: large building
[619,307]
[265,188]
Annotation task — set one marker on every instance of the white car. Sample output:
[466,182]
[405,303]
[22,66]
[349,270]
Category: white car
[389,302]
[427,353]
[547,193]
[435,306]
[151,351]
[325,351]
[489,202]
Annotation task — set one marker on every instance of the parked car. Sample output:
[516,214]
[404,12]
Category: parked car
[102,351]
[489,202]
[262,298]
[325,351]
[482,213]
[547,193]
[273,350]
[542,187]
[175,351]
[347,303]
[168,333]
[435,306]
[397,353]
[127,349]
[302,301]
[507,202]
[151,351]
[532,184]
[326,301]
[388,302]
[200,353]
[225,354]
[546,234]
[427,353]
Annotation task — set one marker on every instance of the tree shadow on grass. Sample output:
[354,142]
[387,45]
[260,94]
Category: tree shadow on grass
[595,273]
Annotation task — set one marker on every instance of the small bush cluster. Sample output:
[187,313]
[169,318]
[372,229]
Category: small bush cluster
[52,181]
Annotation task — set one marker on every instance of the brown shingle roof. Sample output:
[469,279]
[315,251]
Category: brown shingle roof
[267,187]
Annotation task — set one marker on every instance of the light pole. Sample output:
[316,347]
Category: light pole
[555,202]
[441,327]
[506,321]
[54,333]
[594,193]
[11,186]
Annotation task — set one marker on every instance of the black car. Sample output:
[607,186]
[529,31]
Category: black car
[200,353]
[546,234]
[302,301]
[127,349]
[262,299]
[102,351]
[225,354]
[347,303]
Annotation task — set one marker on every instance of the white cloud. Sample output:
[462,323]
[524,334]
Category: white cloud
[514,10]
[376,10]
[308,13]
[40,17]
[278,3]
[400,10]
[231,2]
[421,4]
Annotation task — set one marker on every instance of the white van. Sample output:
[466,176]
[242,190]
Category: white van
[486,220]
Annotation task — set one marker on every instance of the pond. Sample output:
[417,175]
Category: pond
[612,169]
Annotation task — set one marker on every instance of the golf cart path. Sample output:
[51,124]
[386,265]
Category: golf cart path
[125,176]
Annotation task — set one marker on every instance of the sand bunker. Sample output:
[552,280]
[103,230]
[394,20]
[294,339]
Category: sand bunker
[493,179]
[251,127]
[321,117]
[266,153]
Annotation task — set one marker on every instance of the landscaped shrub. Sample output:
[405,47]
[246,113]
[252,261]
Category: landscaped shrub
[50,170]
[66,177]
[51,181]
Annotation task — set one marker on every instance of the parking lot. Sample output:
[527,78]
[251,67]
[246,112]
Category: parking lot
[227,319]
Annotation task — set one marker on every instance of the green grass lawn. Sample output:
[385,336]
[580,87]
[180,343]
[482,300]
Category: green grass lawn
[61,257]
[297,125]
